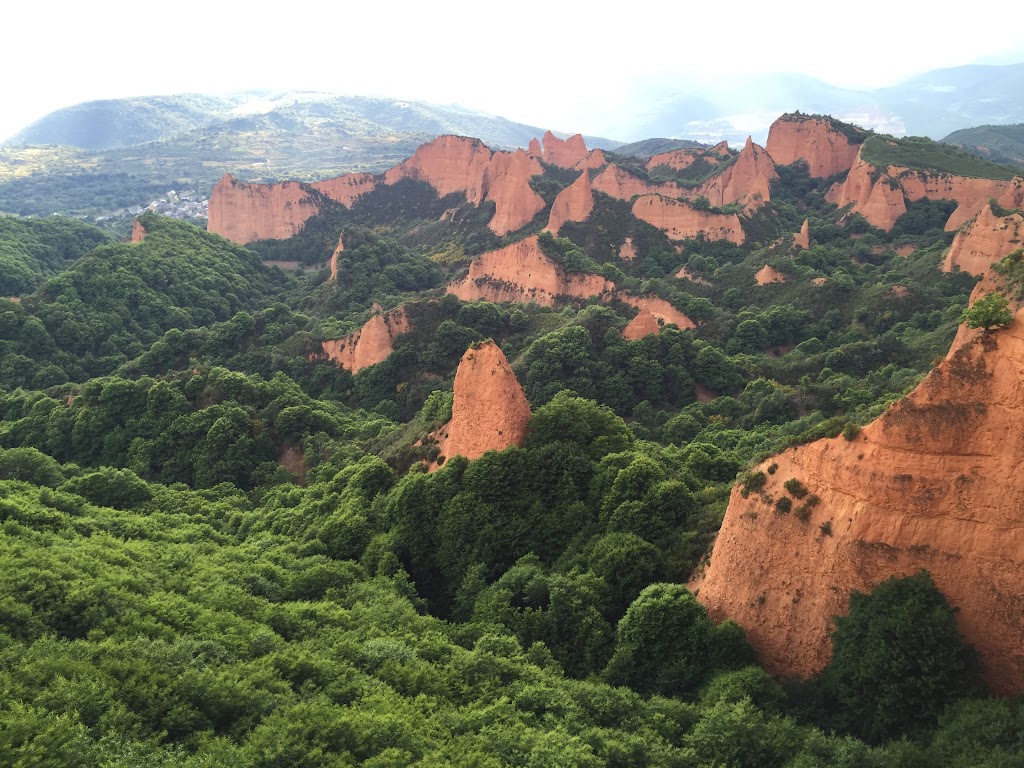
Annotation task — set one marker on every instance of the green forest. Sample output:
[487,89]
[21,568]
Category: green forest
[219,548]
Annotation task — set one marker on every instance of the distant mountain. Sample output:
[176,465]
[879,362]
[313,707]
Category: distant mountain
[1000,143]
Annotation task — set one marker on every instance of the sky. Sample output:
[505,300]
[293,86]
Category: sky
[554,64]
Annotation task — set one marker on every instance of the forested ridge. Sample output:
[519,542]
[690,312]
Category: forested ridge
[220,548]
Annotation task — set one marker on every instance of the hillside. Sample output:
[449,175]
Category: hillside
[998,143]
[544,456]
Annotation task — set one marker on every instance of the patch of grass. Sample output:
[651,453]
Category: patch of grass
[923,154]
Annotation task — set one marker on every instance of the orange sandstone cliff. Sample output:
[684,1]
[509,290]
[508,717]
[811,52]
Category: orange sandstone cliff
[371,344]
[644,324]
[984,241]
[680,220]
[802,239]
[878,198]
[746,181]
[564,154]
[768,274]
[348,188]
[659,308]
[138,232]
[828,152]
[245,213]
[520,272]
[574,203]
[334,257]
[935,483]
[489,410]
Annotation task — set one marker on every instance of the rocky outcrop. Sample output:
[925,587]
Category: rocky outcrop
[937,482]
[521,273]
[984,241]
[334,258]
[245,213]
[828,152]
[564,154]
[371,344]
[574,203]
[489,410]
[970,194]
[768,274]
[658,308]
[627,251]
[685,274]
[644,324]
[874,195]
[348,188]
[138,232]
[622,185]
[534,149]
[680,220]
[747,181]
[802,239]
[595,159]
[457,164]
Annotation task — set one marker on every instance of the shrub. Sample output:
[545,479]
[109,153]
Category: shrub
[795,487]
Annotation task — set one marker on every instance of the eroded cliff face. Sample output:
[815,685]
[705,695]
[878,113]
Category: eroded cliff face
[574,203]
[138,232]
[984,241]
[622,185]
[828,152]
[874,195]
[457,164]
[768,274]
[802,239]
[245,213]
[681,159]
[564,154]
[489,410]
[746,181]
[937,482]
[521,273]
[627,251]
[371,344]
[334,257]
[657,308]
[644,324]
[681,220]
[348,188]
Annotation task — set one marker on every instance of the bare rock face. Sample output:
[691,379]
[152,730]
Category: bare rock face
[879,200]
[828,152]
[627,251]
[595,159]
[747,180]
[244,213]
[371,344]
[971,194]
[489,411]
[644,324]
[658,308]
[622,185]
[348,188]
[984,241]
[564,154]
[768,274]
[534,149]
[138,232]
[681,220]
[802,239]
[334,258]
[520,272]
[457,164]
[574,203]
[934,483]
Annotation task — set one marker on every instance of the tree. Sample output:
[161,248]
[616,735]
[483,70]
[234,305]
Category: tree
[990,311]
[899,659]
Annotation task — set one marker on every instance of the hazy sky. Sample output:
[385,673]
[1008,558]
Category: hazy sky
[549,64]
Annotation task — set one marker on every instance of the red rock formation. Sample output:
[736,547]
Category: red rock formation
[828,152]
[520,272]
[622,185]
[678,159]
[595,159]
[658,308]
[489,410]
[334,257]
[984,241]
[245,213]
[371,344]
[138,232]
[934,483]
[348,188]
[768,274]
[971,194]
[721,149]
[879,200]
[644,324]
[802,239]
[574,203]
[747,180]
[681,220]
[457,164]
[685,274]
[627,251]
[564,154]
[534,150]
